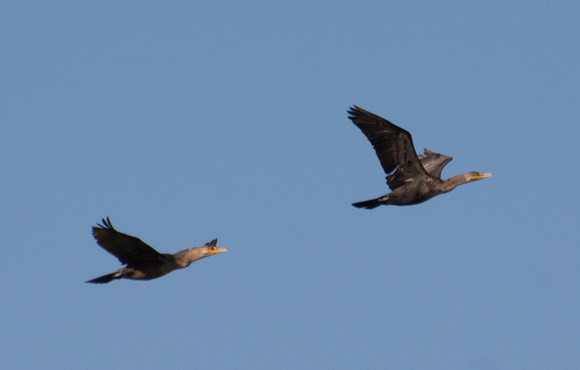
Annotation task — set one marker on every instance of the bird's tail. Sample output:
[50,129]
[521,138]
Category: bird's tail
[368,204]
[105,278]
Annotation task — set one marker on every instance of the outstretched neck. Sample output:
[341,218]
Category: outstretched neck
[455,181]
[187,256]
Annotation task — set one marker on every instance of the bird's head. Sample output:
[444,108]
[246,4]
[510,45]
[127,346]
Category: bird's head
[215,250]
[478,175]
[211,248]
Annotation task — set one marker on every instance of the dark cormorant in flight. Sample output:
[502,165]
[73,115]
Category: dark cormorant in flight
[412,179]
[144,262]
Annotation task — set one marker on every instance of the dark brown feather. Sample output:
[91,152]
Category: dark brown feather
[393,146]
[128,249]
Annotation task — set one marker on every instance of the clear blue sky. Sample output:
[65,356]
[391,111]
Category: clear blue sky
[185,122]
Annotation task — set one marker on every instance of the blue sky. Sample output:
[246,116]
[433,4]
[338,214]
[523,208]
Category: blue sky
[183,122]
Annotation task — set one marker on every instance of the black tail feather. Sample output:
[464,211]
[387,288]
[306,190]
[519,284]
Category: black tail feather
[368,204]
[105,278]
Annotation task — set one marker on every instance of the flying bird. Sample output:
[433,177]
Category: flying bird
[412,179]
[144,262]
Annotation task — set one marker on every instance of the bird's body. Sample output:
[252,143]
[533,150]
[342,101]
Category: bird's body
[144,262]
[412,179]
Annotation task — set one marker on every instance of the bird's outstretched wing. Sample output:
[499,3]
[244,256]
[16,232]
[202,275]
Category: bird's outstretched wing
[393,145]
[128,249]
[433,162]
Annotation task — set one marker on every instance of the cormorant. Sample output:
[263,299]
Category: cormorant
[412,179]
[144,262]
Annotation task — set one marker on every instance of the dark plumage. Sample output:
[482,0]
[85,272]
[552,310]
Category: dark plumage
[412,179]
[144,262]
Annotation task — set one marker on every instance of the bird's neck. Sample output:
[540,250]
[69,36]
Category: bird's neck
[455,181]
[187,256]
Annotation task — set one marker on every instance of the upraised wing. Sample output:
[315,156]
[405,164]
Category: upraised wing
[433,162]
[393,145]
[128,249]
